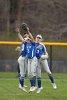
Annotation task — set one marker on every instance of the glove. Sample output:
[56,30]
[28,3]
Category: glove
[18,48]
[25,27]
[44,57]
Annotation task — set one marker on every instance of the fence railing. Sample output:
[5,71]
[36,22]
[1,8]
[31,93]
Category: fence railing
[46,43]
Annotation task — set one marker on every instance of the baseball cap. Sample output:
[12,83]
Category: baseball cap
[39,36]
[27,38]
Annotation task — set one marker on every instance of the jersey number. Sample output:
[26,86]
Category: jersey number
[37,51]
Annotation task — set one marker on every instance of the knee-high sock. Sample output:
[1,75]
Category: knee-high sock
[33,81]
[21,80]
[51,78]
[39,82]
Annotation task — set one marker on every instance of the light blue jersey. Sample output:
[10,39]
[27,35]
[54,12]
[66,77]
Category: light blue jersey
[23,49]
[40,50]
[31,50]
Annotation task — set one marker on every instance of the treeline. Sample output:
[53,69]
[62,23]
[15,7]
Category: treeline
[46,17]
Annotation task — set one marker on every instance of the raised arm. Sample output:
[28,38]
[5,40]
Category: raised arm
[26,28]
[19,35]
[31,36]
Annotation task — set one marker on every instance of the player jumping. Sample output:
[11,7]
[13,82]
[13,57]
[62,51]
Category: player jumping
[42,57]
[22,60]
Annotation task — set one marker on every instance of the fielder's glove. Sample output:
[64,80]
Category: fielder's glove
[44,57]
[25,27]
[18,49]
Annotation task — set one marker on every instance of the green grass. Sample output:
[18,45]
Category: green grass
[9,88]
[8,75]
[44,75]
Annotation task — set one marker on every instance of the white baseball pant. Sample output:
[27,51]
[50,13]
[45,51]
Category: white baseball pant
[22,65]
[44,64]
[32,64]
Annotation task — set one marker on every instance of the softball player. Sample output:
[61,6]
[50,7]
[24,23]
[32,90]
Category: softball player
[22,60]
[18,49]
[32,61]
[42,56]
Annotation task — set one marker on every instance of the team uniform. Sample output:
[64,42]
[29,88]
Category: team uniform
[32,64]
[22,60]
[40,51]
[18,49]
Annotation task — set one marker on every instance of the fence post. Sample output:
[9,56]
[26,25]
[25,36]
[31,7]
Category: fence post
[51,58]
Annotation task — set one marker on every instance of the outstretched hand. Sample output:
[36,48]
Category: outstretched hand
[17,30]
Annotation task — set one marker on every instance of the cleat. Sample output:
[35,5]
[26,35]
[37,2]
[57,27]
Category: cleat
[32,89]
[22,88]
[20,85]
[39,90]
[54,85]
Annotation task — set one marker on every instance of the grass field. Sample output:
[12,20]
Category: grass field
[9,88]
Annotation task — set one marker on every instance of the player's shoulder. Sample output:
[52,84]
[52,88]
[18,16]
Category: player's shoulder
[24,42]
[42,44]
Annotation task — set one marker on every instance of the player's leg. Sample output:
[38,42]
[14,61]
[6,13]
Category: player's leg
[33,70]
[39,74]
[46,68]
[21,66]
[29,72]
[39,78]
[26,66]
[18,69]
[22,73]
[32,73]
